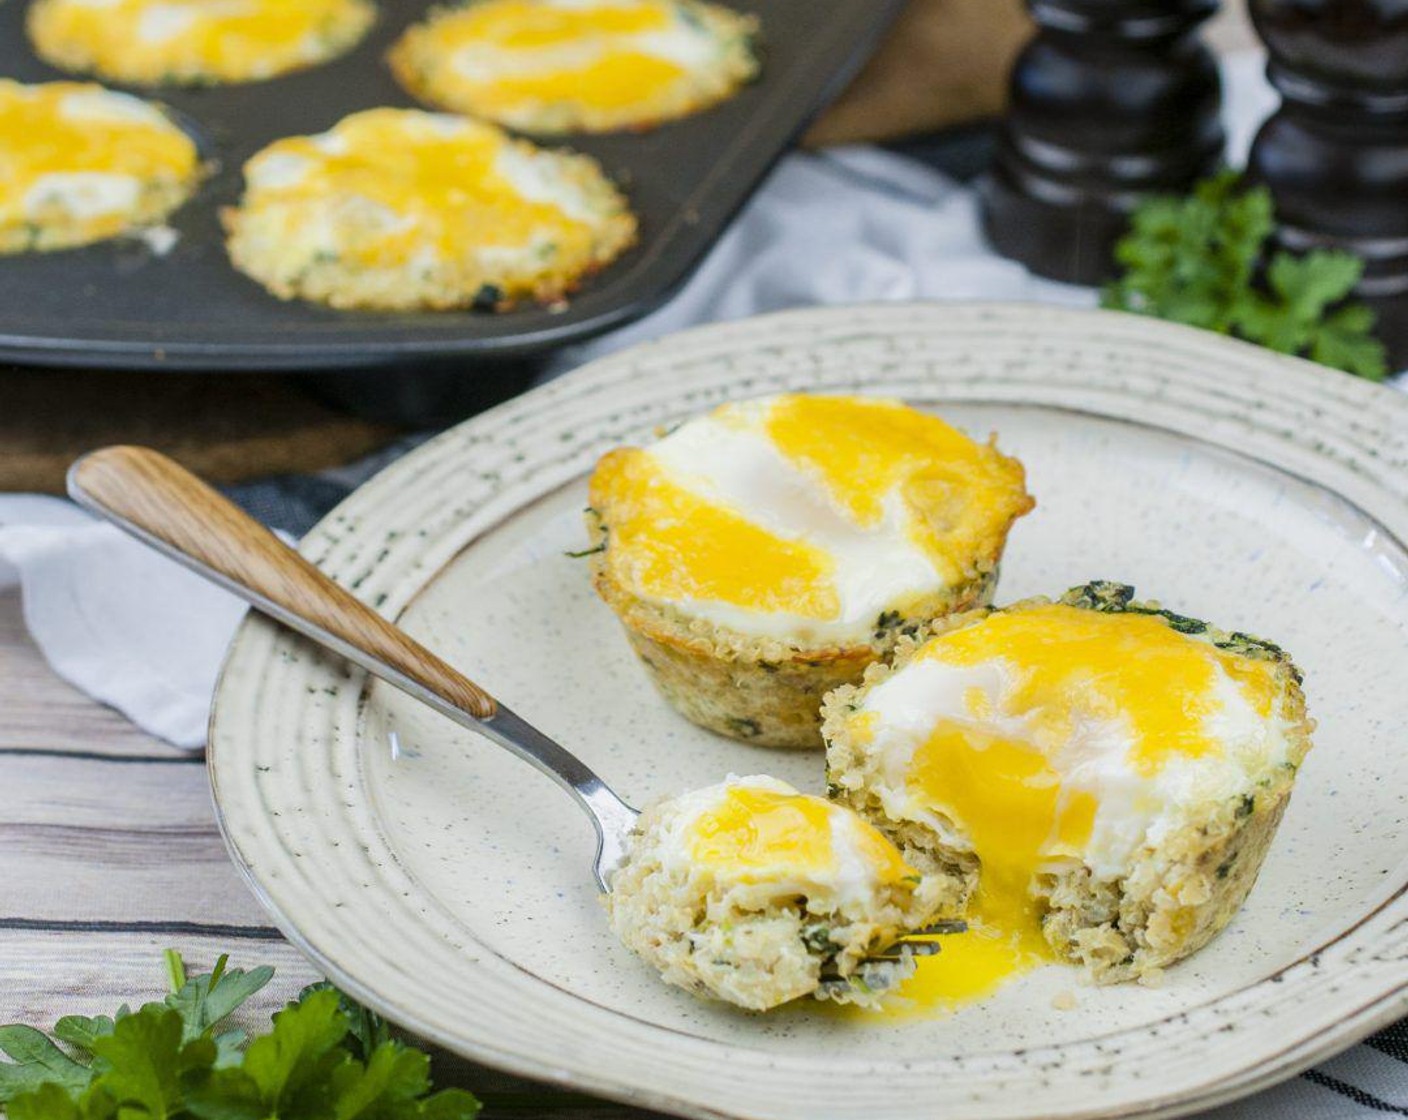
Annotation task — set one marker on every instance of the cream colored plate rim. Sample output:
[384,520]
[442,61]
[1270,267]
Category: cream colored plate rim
[390,538]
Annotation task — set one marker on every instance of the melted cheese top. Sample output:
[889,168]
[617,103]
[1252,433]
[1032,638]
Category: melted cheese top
[758,831]
[805,516]
[219,39]
[399,185]
[604,54]
[1049,734]
[84,151]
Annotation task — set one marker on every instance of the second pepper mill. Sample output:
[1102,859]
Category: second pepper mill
[1335,155]
[1111,101]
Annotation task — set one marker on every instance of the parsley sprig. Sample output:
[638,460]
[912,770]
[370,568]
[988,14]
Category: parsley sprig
[324,1058]
[1196,260]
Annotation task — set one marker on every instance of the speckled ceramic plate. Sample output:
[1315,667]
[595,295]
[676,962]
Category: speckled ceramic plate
[448,885]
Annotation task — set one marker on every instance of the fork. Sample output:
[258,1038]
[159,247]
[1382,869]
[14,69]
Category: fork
[165,506]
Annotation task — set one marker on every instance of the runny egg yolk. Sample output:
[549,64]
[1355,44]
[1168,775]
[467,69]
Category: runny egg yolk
[589,54]
[764,834]
[436,181]
[679,545]
[997,771]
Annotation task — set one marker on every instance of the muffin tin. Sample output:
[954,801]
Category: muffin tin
[119,304]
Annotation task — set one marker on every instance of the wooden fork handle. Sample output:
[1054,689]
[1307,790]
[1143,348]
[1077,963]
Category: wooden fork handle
[164,504]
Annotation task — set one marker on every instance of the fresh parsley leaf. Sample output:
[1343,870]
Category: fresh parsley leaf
[1345,342]
[147,1059]
[1195,260]
[203,1001]
[81,1031]
[292,1064]
[37,1061]
[367,1030]
[324,1058]
[47,1102]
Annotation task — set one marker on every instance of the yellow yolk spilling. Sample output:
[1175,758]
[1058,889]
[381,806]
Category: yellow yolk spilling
[549,53]
[764,834]
[424,182]
[818,510]
[189,40]
[85,150]
[1001,769]
[1072,665]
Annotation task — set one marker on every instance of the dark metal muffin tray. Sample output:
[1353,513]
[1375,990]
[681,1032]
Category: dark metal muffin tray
[117,304]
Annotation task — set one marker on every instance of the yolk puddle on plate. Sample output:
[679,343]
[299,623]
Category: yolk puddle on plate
[1016,814]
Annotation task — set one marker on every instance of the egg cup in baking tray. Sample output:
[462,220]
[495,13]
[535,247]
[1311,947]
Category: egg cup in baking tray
[120,304]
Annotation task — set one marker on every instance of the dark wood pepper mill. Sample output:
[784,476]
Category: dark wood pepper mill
[1335,155]
[1112,99]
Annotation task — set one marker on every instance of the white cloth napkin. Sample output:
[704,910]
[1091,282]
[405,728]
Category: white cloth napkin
[140,633]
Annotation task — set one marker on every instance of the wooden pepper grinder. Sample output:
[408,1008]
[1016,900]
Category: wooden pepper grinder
[1335,155]
[1112,100]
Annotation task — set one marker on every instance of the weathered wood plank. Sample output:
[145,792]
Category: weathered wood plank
[107,842]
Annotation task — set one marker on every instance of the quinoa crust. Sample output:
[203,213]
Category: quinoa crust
[1175,897]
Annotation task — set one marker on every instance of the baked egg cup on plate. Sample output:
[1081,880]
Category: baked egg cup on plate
[755,894]
[398,209]
[194,42]
[554,66]
[767,552]
[1101,777]
[79,164]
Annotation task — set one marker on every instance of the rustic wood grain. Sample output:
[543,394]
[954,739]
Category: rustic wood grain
[109,854]
[163,500]
[229,427]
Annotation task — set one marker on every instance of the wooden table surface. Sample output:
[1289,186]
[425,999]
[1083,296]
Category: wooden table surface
[109,854]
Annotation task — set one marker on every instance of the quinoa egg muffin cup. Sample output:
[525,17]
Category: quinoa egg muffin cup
[194,42]
[83,164]
[1183,873]
[666,542]
[559,66]
[754,894]
[395,209]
